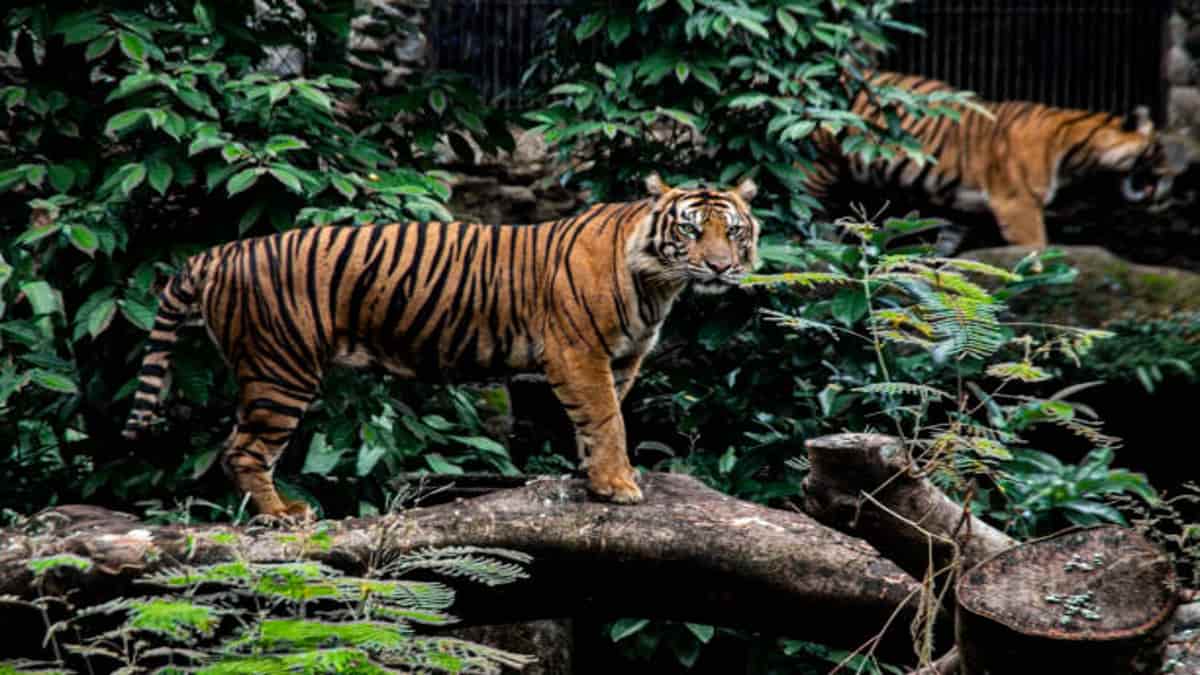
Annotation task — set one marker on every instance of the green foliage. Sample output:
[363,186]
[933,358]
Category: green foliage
[290,617]
[718,90]
[1042,494]
[1150,351]
[138,134]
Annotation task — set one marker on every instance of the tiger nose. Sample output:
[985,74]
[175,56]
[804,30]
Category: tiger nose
[719,265]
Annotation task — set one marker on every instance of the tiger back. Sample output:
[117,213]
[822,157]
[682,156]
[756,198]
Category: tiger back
[1010,160]
[580,300]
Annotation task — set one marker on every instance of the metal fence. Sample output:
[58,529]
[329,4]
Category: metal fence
[493,41]
[1095,54]
[1100,55]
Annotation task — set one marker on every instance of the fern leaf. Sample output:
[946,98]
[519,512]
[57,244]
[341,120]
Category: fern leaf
[805,279]
[1025,372]
[924,391]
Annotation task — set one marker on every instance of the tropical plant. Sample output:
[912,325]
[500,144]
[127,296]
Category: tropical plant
[135,135]
[302,616]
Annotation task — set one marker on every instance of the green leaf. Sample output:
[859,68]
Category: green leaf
[279,91]
[138,314]
[438,464]
[289,181]
[203,143]
[132,84]
[84,31]
[242,180]
[200,12]
[35,174]
[314,96]
[42,298]
[62,177]
[368,457]
[284,143]
[589,26]
[54,382]
[623,628]
[727,461]
[786,21]
[161,174]
[345,187]
[681,72]
[83,238]
[322,458]
[437,101]
[482,443]
[133,178]
[619,27]
[849,306]
[703,632]
[122,121]
[101,317]
[38,232]
[133,45]
[99,47]
[747,101]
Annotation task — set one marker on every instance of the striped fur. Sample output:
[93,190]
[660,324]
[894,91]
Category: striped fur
[1011,165]
[580,300]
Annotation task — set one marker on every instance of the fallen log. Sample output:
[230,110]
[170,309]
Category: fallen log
[688,553]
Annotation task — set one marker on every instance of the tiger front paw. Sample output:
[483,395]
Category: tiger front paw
[618,487]
[289,514]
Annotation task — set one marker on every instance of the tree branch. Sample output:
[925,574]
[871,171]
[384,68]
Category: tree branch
[688,553]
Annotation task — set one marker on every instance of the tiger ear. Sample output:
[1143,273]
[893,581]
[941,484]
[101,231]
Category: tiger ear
[656,186]
[1139,121]
[746,189]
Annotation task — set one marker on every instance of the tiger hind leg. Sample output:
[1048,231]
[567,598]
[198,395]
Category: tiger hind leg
[1022,223]
[267,418]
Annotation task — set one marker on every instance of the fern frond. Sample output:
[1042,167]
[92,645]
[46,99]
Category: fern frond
[805,279]
[798,323]
[488,566]
[338,660]
[924,391]
[895,319]
[1025,372]
[416,595]
[454,656]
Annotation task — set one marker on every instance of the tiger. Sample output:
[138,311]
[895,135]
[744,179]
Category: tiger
[579,301]
[1010,162]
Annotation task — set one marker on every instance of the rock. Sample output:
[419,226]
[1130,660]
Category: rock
[1177,29]
[1107,288]
[1179,66]
[1183,108]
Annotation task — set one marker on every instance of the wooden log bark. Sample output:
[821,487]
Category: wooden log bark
[863,484]
[1088,601]
[688,553]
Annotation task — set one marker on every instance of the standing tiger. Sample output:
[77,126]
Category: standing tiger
[580,300]
[1010,164]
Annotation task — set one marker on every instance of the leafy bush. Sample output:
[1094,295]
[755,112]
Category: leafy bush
[135,135]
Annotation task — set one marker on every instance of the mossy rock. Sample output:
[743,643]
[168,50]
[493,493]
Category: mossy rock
[1107,288]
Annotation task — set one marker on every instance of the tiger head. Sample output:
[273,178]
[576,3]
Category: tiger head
[1148,160]
[704,237]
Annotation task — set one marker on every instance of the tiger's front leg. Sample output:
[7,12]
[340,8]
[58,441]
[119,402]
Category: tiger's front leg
[583,383]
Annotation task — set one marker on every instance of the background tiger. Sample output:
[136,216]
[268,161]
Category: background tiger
[580,300]
[1011,164]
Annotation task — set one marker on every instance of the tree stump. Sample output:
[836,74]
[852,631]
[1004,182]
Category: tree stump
[1086,601]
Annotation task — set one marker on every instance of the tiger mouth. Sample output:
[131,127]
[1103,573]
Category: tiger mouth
[713,283]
